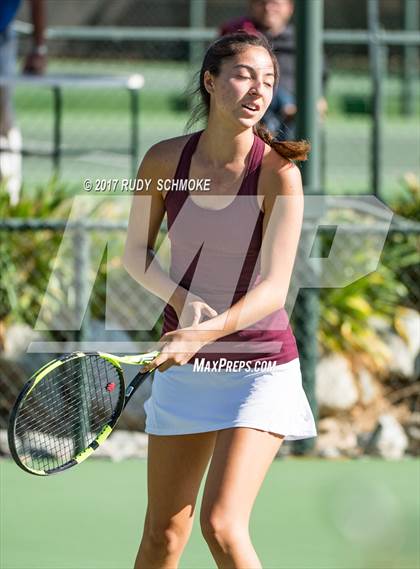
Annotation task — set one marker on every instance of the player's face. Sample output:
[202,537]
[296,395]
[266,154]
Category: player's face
[271,14]
[243,90]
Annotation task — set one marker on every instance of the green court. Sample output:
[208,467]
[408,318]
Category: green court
[310,514]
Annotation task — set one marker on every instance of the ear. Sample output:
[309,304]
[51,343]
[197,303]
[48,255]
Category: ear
[208,81]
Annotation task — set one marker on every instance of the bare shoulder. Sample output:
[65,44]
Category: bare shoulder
[279,176]
[163,156]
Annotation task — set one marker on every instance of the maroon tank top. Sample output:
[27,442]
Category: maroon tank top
[215,254]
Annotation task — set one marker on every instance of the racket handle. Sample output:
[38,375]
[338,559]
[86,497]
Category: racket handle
[137,381]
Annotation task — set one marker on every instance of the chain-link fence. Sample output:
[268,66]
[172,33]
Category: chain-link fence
[62,284]
[164,40]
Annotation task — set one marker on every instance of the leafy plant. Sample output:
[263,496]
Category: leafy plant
[348,314]
[30,267]
[26,256]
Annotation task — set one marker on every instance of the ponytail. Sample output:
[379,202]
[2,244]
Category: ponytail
[291,150]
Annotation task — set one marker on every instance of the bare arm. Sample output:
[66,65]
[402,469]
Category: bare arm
[38,19]
[283,215]
[147,212]
[146,215]
[36,61]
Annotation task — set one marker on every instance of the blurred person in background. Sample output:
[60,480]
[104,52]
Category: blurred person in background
[35,63]
[272,18]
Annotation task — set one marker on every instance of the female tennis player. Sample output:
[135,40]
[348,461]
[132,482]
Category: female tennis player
[227,385]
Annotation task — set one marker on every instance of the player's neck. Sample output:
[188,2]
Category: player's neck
[220,145]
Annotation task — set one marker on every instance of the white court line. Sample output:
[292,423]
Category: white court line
[36,144]
[104,157]
[95,157]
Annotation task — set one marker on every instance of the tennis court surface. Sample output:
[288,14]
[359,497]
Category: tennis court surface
[310,514]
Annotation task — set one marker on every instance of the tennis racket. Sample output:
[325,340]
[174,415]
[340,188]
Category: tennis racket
[68,408]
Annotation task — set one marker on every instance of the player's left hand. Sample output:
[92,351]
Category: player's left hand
[195,311]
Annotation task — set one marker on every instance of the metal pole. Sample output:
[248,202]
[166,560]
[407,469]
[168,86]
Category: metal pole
[309,23]
[81,308]
[197,48]
[58,110]
[411,18]
[81,291]
[134,143]
[376,54]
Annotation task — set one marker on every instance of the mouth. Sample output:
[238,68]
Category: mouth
[253,107]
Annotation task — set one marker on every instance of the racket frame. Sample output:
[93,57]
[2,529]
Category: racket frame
[124,396]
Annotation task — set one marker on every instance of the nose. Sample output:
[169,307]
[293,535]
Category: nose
[256,87]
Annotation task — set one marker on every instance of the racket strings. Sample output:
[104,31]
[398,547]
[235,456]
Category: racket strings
[45,404]
[46,401]
[74,427]
[49,402]
[66,411]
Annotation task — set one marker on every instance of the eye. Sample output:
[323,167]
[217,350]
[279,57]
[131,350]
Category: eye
[243,77]
[268,84]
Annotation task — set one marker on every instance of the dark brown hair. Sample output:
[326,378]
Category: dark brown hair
[229,46]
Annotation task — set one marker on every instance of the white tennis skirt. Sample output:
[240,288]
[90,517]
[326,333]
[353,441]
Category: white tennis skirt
[185,401]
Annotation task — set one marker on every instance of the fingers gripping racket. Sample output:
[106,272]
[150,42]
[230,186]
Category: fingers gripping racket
[68,408]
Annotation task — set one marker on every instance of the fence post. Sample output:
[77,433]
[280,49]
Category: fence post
[134,95]
[309,18]
[411,18]
[57,135]
[196,47]
[81,241]
[376,55]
